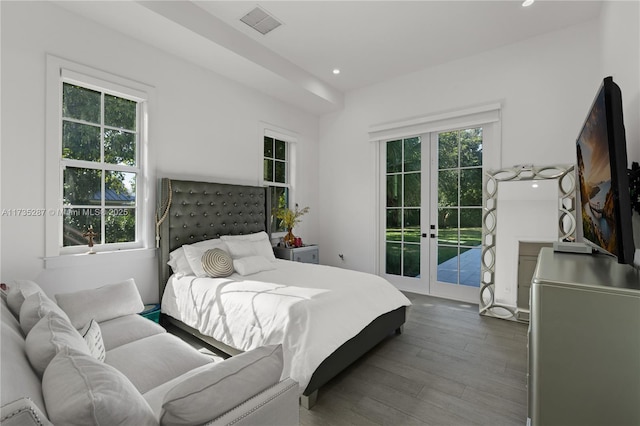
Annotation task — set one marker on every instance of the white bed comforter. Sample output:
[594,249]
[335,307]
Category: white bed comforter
[310,309]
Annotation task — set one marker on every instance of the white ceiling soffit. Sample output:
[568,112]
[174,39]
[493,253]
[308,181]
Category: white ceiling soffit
[183,29]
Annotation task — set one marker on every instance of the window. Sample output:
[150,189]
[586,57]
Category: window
[100,167]
[276,176]
[96,160]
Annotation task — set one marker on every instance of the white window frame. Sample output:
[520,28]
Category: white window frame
[291,138]
[61,71]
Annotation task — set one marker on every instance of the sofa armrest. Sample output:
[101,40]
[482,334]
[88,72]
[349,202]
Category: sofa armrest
[22,412]
[277,405]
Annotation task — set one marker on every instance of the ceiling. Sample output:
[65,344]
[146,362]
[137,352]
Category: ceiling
[369,41]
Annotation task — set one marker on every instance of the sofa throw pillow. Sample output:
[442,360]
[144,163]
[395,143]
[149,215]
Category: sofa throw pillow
[92,336]
[18,291]
[102,303]
[252,265]
[48,337]
[217,263]
[218,389]
[80,390]
[34,308]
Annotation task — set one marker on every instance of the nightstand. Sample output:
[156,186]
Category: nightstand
[304,254]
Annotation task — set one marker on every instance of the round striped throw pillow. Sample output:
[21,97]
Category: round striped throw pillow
[217,263]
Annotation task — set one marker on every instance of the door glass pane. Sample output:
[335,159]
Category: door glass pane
[411,260]
[448,188]
[412,153]
[470,266]
[394,190]
[471,147]
[471,227]
[448,226]
[394,156]
[412,225]
[394,225]
[448,150]
[471,187]
[448,264]
[393,258]
[412,190]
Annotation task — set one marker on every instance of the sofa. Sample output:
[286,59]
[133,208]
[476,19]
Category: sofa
[89,358]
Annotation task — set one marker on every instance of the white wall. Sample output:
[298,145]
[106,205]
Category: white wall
[620,58]
[201,126]
[545,86]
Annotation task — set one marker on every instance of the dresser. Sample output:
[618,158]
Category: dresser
[584,341]
[304,254]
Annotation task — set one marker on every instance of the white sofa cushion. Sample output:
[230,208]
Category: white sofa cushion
[48,337]
[102,303]
[34,308]
[221,387]
[17,378]
[154,360]
[93,338]
[126,329]
[18,291]
[80,390]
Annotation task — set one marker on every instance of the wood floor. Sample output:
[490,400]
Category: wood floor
[449,367]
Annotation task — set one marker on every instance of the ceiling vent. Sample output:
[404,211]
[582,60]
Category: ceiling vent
[260,21]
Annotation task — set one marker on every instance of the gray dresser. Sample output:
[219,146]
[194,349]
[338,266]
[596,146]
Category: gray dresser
[584,341]
[304,254]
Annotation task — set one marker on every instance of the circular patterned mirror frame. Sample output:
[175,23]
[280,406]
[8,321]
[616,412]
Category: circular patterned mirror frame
[565,175]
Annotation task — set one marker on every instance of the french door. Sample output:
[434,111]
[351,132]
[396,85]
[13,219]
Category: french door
[433,213]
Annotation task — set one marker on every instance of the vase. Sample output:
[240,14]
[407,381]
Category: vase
[289,239]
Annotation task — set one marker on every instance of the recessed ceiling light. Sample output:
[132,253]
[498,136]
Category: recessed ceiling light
[336,71]
[527,3]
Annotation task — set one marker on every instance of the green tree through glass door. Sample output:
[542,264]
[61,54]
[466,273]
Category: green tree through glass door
[459,206]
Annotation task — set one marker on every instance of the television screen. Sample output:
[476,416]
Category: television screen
[602,172]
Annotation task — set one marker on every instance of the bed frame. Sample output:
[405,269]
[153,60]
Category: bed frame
[191,211]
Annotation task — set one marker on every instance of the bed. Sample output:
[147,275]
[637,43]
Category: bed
[325,317]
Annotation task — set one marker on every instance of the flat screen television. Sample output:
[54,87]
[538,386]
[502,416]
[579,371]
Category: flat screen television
[605,200]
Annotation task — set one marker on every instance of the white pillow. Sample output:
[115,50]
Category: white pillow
[34,308]
[18,291]
[257,236]
[92,336]
[244,248]
[194,252]
[102,303]
[252,265]
[80,390]
[224,385]
[48,337]
[178,262]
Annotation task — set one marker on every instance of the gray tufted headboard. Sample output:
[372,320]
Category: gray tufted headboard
[204,210]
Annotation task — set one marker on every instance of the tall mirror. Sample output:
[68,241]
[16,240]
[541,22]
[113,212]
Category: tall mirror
[523,206]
